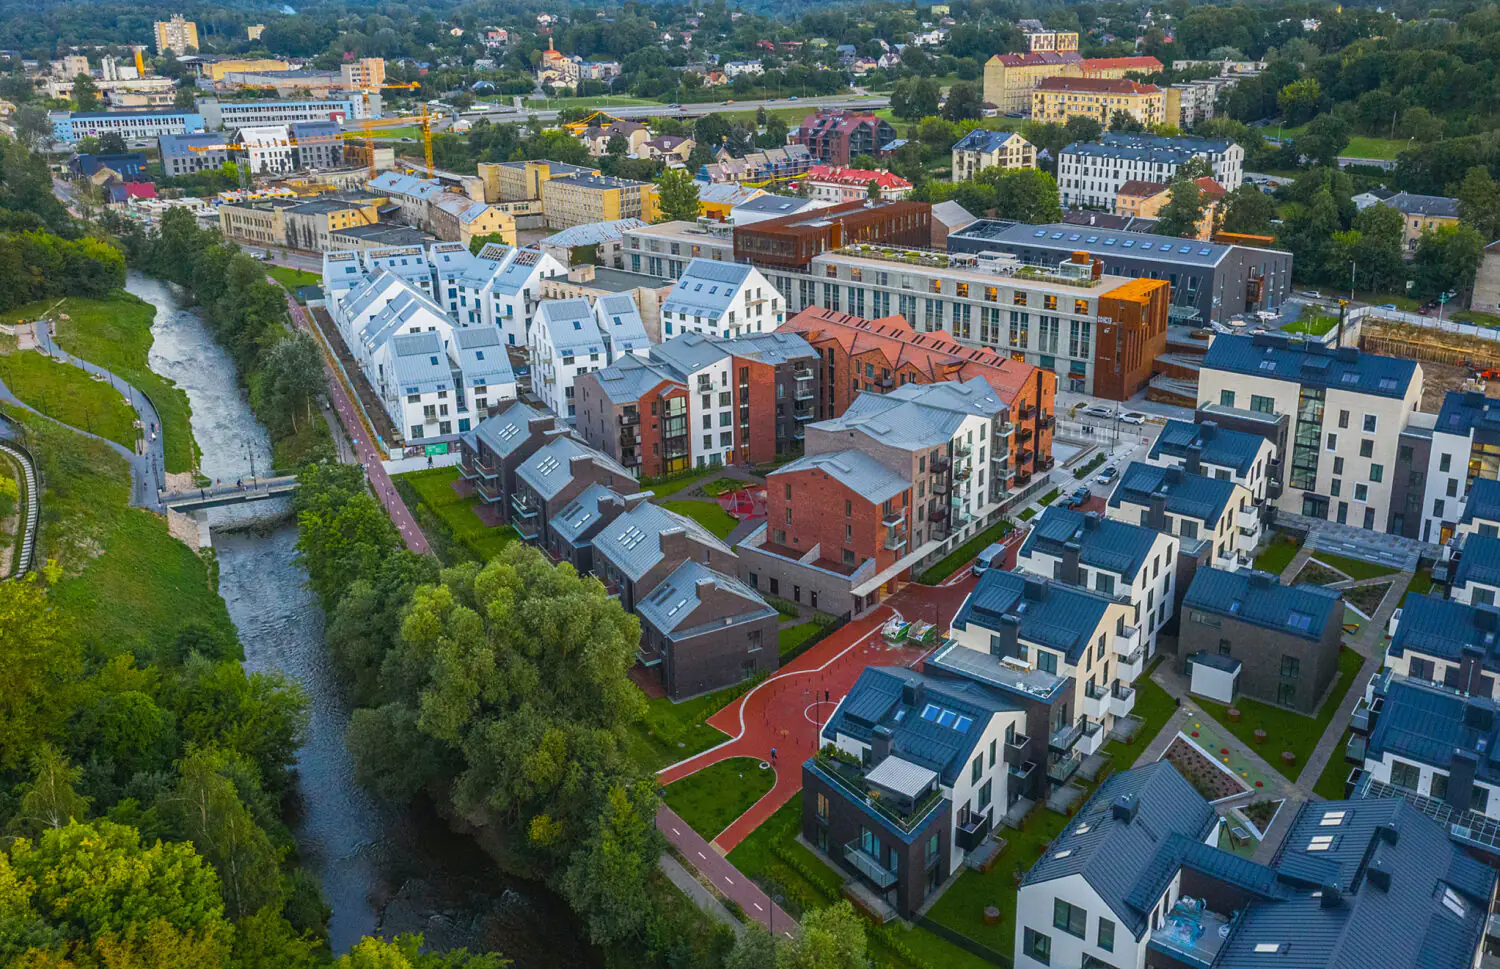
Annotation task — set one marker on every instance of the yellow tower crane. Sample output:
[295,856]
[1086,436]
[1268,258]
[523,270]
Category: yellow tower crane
[368,126]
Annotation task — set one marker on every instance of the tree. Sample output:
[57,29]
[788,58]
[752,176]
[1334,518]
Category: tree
[1418,124]
[50,798]
[964,102]
[915,97]
[1300,100]
[1323,139]
[864,163]
[37,692]
[85,93]
[1446,259]
[112,143]
[479,242]
[872,189]
[1027,195]
[1479,202]
[617,146]
[607,877]
[291,378]
[1124,121]
[775,133]
[677,195]
[1247,210]
[32,126]
[1082,128]
[755,948]
[1378,254]
[405,952]
[1195,168]
[831,938]
[1183,211]
[183,98]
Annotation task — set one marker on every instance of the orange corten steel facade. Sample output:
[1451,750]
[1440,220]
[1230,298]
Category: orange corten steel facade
[791,241]
[1130,335]
[872,356]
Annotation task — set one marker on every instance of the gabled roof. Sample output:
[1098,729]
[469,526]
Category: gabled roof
[570,325]
[1280,358]
[507,430]
[1189,495]
[1442,628]
[633,540]
[1257,598]
[855,470]
[916,416]
[1220,446]
[419,364]
[986,142]
[630,378]
[482,356]
[1480,561]
[620,321]
[1116,851]
[672,605]
[1095,85]
[706,288]
[408,185]
[688,353]
[581,514]
[1483,503]
[1054,615]
[591,233]
[1437,206]
[1427,723]
[769,348]
[550,467]
[1465,411]
[1103,543]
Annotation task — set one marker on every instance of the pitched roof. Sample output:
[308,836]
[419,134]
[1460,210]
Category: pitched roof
[952,215]
[984,141]
[1190,495]
[1257,598]
[630,378]
[1058,616]
[1039,58]
[1141,188]
[916,416]
[570,325]
[855,470]
[591,233]
[1479,562]
[1103,543]
[1423,722]
[672,605]
[1443,628]
[768,348]
[1408,203]
[550,467]
[1219,446]
[419,363]
[1095,85]
[581,514]
[706,288]
[482,356]
[1483,503]
[507,430]
[1311,364]
[1463,411]
[1144,63]
[633,540]
[1156,149]
[839,175]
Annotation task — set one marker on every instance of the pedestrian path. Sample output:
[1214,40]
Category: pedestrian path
[32,497]
[726,878]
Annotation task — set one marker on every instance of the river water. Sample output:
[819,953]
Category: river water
[382,870]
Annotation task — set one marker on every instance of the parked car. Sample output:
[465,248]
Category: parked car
[1389,306]
[1133,417]
[1078,497]
[1108,475]
[792,98]
[1311,294]
[987,558]
[1098,411]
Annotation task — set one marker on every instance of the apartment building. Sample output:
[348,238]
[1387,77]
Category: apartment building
[1421,214]
[346,270]
[188,154]
[570,337]
[494,448]
[834,184]
[1216,452]
[981,149]
[1011,79]
[220,115]
[1465,447]
[1056,99]
[767,164]
[835,136]
[1447,642]
[519,181]
[580,199]
[790,243]
[1090,174]
[1346,411]
[1118,68]
[1210,515]
[912,783]
[500,286]
[646,544]
[1059,652]
[176,35]
[308,225]
[148,125]
[1469,552]
[636,411]
[1113,558]
[1210,282]
[547,481]
[457,218]
[703,630]
[896,480]
[1135,879]
[367,72]
[1281,642]
[721,299]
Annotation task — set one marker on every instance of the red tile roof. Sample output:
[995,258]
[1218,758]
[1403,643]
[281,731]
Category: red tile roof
[1144,63]
[840,175]
[1211,189]
[1096,85]
[1141,188]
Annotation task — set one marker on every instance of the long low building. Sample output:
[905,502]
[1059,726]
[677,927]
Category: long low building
[229,115]
[131,125]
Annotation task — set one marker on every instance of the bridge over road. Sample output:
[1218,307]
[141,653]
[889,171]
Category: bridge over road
[220,496]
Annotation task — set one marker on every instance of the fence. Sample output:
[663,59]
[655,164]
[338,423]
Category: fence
[977,949]
[829,625]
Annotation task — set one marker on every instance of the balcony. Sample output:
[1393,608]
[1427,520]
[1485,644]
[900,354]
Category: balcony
[893,517]
[1015,749]
[630,459]
[971,829]
[1025,456]
[937,512]
[1094,736]
[962,450]
[1248,521]
[885,382]
[851,778]
[803,413]
[960,517]
[1122,699]
[1095,701]
[1026,413]
[1063,739]
[961,474]
[630,418]
[895,539]
[865,863]
[522,507]
[803,373]
[803,392]
[1128,641]
[1063,768]
[1025,435]
[1129,667]
[942,487]
[1022,479]
[941,464]
[1044,462]
[1022,772]
[1046,422]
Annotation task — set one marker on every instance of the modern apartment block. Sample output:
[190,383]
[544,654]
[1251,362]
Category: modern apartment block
[792,242]
[221,115]
[1212,515]
[726,300]
[1465,448]
[570,337]
[1346,408]
[502,285]
[836,136]
[1210,282]
[1282,641]
[1216,452]
[909,782]
[1113,558]
[896,480]
[1056,99]
[671,410]
[176,35]
[1090,174]
[1447,642]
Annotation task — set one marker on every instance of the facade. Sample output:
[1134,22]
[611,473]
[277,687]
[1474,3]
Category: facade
[216,68]
[640,548]
[836,137]
[1421,214]
[1465,447]
[1113,558]
[1091,174]
[579,199]
[494,448]
[836,184]
[1056,99]
[1212,516]
[892,482]
[569,337]
[500,286]
[521,180]
[1209,282]
[909,781]
[702,630]
[1435,743]
[1216,452]
[307,225]
[792,242]
[176,35]
[1117,68]
[546,483]
[367,72]
[148,125]
[721,299]
[1446,642]
[766,165]
[457,218]
[231,115]
[981,149]
[1010,79]
[597,137]
[1284,639]
[1346,411]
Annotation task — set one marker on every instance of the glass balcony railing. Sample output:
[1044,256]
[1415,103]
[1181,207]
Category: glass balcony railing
[867,865]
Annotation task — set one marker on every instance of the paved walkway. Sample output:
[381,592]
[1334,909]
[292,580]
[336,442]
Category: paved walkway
[695,890]
[380,481]
[722,875]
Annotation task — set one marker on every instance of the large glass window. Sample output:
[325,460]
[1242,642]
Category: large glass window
[1037,946]
[1069,918]
[1309,435]
[1405,775]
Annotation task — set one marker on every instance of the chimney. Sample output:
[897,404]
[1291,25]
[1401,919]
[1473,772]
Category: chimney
[1474,398]
[1035,590]
[1125,807]
[1207,430]
[539,425]
[1156,516]
[1461,769]
[1260,580]
[1347,354]
[1173,476]
[1378,877]
[1471,671]
[1070,563]
[1330,896]
[1194,463]
[1388,833]
[1091,521]
[880,744]
[1007,637]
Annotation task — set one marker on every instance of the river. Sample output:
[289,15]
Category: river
[383,870]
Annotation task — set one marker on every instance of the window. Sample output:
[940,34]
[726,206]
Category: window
[1439,786]
[1361,492]
[994,743]
[1069,918]
[1343,418]
[823,807]
[1405,775]
[1226,398]
[1366,449]
[976,769]
[1046,662]
[1369,423]
[1106,935]
[1291,667]
[1037,946]
[1263,405]
[1445,462]
[1377,473]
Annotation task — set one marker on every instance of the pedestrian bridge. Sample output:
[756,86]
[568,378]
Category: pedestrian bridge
[220,496]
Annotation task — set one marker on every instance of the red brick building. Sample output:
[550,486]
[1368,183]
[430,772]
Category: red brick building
[792,241]
[837,137]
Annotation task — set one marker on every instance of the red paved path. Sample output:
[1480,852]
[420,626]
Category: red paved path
[724,876]
[380,482]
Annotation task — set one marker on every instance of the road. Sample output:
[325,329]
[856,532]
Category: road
[725,877]
[869,101]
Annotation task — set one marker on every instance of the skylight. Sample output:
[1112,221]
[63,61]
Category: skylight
[1299,620]
[1332,819]
[1063,853]
[1268,948]
[1453,903]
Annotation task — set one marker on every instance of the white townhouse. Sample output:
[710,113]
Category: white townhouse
[1198,510]
[706,368]
[1465,450]
[1089,174]
[500,286]
[576,336]
[721,299]
[1216,452]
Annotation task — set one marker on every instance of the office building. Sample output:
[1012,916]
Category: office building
[221,115]
[149,125]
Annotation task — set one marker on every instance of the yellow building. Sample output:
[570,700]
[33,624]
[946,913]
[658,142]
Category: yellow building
[215,70]
[1057,99]
[1422,213]
[981,149]
[1054,40]
[1145,200]
[1010,79]
[367,73]
[176,35]
[457,218]
[520,180]
[253,31]
[715,201]
[295,223]
[1116,68]
[578,199]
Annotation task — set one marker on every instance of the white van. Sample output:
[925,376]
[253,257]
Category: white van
[989,555]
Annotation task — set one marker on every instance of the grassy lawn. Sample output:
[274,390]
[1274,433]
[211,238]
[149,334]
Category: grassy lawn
[292,278]
[1285,729]
[706,513]
[434,489]
[961,556]
[116,334]
[671,732]
[64,392]
[1421,583]
[791,637]
[1312,324]
[1276,556]
[1049,497]
[791,115]
[712,798]
[1359,146]
[1155,707]
[1027,514]
[1354,568]
[1479,319]
[672,486]
[128,585]
[1330,784]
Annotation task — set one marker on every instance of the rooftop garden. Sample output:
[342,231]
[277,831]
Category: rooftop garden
[843,770]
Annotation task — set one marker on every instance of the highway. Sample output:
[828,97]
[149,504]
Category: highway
[868,101]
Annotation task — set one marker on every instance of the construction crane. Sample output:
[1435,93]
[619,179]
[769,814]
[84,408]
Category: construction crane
[598,118]
[368,127]
[369,140]
[140,64]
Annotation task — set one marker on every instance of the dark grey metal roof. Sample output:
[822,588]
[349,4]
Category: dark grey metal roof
[1279,357]
[1257,598]
[1189,495]
[1049,613]
[1442,628]
[1423,722]
[1103,543]
[1220,445]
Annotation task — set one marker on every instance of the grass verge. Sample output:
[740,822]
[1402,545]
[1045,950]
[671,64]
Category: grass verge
[1286,729]
[293,278]
[447,518]
[1275,557]
[1330,783]
[791,637]
[1088,469]
[671,732]
[65,393]
[115,334]
[706,513]
[960,556]
[1354,568]
[713,797]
